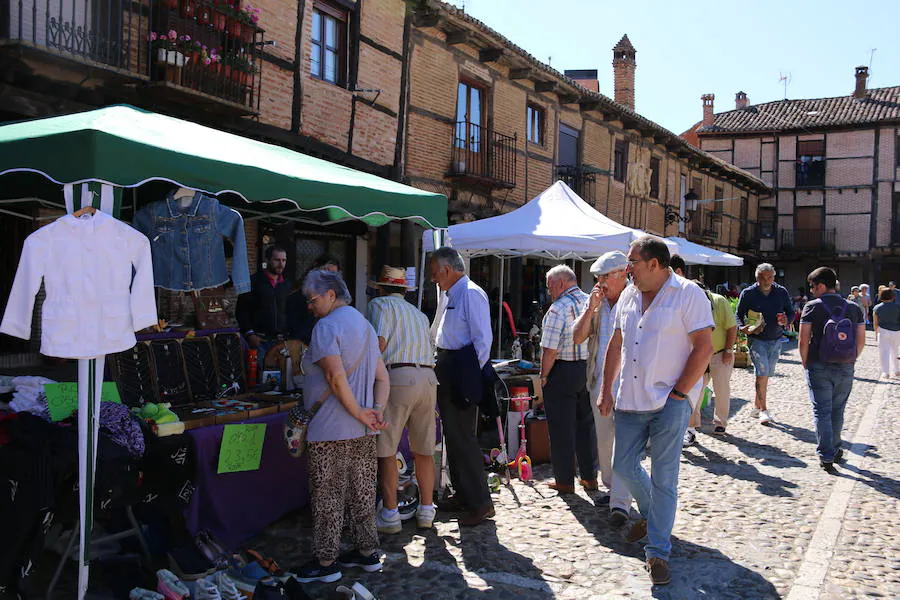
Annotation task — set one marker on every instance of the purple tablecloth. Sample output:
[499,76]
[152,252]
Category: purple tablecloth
[236,506]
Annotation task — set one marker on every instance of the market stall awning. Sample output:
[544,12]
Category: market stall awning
[125,147]
[695,254]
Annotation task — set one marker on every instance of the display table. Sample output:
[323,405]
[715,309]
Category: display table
[236,506]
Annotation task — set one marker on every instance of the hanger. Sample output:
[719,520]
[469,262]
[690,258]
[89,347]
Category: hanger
[87,210]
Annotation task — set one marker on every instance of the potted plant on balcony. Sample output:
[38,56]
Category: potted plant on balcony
[172,52]
[249,18]
[204,13]
[241,68]
[219,14]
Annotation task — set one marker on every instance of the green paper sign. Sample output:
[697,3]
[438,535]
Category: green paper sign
[62,398]
[241,447]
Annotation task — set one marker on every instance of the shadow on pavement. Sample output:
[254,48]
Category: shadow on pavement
[768,454]
[879,483]
[799,433]
[717,464]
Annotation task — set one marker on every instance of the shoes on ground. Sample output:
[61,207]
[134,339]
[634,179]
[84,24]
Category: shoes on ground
[357,592]
[764,417]
[314,571]
[589,484]
[225,585]
[618,517]
[246,577]
[142,594]
[828,466]
[170,586]
[477,516]
[388,524]
[205,589]
[839,455]
[718,430]
[754,412]
[690,438]
[188,562]
[425,517]
[562,488]
[355,558]
[602,500]
[638,531]
[452,504]
[659,570]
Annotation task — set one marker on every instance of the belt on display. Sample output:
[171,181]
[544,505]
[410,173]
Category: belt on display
[413,365]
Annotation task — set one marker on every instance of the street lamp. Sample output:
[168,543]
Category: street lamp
[690,205]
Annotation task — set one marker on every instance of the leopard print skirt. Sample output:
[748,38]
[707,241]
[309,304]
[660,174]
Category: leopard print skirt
[343,476]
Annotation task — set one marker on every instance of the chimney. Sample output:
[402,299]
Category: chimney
[862,74]
[586,78]
[708,116]
[740,101]
[623,71]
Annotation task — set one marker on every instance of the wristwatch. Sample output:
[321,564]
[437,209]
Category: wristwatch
[678,394]
[729,351]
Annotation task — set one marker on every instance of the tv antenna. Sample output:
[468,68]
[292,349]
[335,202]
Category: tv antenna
[784,79]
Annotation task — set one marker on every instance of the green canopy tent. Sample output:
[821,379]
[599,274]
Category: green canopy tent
[120,147]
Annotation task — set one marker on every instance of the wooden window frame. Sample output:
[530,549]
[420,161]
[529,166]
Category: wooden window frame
[654,177]
[767,210]
[620,161]
[811,148]
[530,129]
[324,10]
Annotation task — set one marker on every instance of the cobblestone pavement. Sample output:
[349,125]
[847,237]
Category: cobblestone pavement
[757,518]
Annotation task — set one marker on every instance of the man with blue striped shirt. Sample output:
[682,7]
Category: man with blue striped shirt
[404,339]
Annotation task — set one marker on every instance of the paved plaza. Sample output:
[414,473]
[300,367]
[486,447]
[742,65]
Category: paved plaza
[757,518]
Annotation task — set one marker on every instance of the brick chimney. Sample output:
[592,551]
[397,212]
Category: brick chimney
[586,78]
[624,66]
[708,115]
[862,74]
[740,101]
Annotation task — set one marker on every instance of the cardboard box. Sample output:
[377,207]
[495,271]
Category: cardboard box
[538,440]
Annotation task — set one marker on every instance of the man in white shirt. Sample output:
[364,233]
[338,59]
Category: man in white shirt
[462,334]
[659,351]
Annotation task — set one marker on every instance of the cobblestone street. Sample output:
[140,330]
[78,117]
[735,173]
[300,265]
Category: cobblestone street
[757,518]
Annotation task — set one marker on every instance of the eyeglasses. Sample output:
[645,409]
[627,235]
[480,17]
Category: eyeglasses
[631,263]
[312,300]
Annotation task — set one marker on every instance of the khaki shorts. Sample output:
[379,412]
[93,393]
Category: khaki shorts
[411,403]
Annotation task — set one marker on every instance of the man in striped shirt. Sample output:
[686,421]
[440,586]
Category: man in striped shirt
[404,337]
[570,420]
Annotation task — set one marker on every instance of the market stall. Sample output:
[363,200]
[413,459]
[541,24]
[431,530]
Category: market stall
[696,254]
[91,164]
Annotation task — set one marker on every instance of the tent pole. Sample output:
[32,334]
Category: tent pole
[500,312]
[421,282]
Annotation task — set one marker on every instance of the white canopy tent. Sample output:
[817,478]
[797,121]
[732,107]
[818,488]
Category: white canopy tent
[695,254]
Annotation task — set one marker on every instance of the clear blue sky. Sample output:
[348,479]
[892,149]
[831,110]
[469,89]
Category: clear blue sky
[686,48]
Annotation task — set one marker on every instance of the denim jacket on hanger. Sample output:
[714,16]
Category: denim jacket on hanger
[186,243]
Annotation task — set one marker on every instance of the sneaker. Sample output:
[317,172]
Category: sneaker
[764,418]
[204,589]
[618,517]
[602,500]
[188,562]
[170,587]
[425,517]
[391,524]
[690,438]
[269,589]
[839,455]
[313,571]
[355,558]
[659,570]
[828,467]
[754,412]
[245,578]
[226,587]
[142,594]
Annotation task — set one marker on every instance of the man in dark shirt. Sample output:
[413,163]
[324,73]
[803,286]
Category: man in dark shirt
[774,303]
[261,312]
[829,382]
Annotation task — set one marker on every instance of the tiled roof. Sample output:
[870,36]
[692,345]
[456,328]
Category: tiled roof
[589,96]
[879,105]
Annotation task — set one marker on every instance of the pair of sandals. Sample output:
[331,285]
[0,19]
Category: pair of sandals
[356,592]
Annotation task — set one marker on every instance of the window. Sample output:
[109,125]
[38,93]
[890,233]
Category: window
[328,60]
[719,204]
[810,169]
[766,222]
[620,163]
[535,126]
[895,221]
[654,178]
[468,116]
[897,151]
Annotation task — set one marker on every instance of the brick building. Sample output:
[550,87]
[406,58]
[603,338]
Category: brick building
[834,164]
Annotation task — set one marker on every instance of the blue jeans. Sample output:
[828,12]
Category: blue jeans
[764,354]
[656,494]
[829,389]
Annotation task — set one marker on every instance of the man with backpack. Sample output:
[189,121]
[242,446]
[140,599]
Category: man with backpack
[832,336]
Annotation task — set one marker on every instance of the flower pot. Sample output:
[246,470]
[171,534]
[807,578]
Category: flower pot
[247,33]
[233,26]
[171,57]
[236,75]
[218,21]
[204,14]
[188,9]
[170,4]
[225,71]
[245,78]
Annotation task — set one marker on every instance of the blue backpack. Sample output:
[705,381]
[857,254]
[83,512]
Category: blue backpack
[838,337]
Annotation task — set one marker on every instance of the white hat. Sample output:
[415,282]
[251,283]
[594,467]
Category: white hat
[609,262]
[394,277]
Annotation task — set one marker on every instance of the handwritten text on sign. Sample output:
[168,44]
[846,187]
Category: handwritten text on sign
[241,447]
[62,398]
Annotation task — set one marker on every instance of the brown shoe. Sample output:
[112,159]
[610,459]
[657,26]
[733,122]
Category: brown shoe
[451,504]
[476,517]
[562,488]
[659,570]
[638,531]
[589,484]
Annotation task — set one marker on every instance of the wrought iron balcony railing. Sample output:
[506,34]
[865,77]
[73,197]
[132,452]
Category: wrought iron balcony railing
[581,179]
[816,240]
[483,155]
[198,46]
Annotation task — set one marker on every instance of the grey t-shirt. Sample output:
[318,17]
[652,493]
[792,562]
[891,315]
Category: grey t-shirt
[345,333]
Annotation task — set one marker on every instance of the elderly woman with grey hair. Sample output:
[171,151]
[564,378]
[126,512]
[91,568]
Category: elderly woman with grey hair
[344,365]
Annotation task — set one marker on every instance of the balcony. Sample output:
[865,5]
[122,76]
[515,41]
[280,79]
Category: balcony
[705,225]
[819,241]
[483,157]
[141,48]
[581,179]
[748,238]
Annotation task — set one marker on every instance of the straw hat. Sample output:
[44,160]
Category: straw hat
[394,277]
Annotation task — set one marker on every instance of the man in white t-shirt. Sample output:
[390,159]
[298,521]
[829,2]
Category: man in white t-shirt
[659,351]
